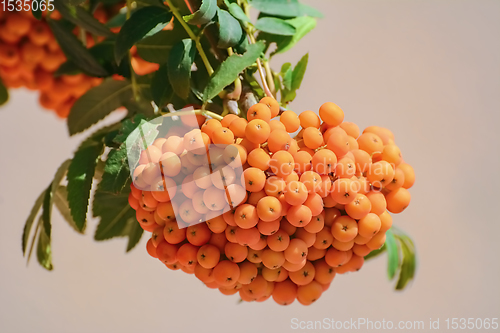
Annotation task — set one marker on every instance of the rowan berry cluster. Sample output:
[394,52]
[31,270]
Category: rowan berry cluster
[248,209]
[30,55]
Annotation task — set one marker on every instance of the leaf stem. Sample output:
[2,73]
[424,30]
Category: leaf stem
[265,79]
[132,73]
[191,34]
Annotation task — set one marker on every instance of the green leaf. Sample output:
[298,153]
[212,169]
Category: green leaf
[80,176]
[31,218]
[299,71]
[36,13]
[179,66]
[204,14]
[82,18]
[286,74]
[116,171]
[127,127]
[134,233]
[229,30]
[143,23]
[375,253]
[119,19]
[392,254]
[302,25]
[237,12]
[62,205]
[288,95]
[97,103]
[75,51]
[157,48]
[230,69]
[284,8]
[114,212]
[4,93]
[275,26]
[161,90]
[408,266]
[44,249]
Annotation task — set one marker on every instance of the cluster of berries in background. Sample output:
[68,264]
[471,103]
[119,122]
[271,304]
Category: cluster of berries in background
[30,55]
[248,209]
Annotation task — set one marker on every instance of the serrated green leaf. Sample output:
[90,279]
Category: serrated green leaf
[119,19]
[303,25]
[204,14]
[157,48]
[299,71]
[179,67]
[284,8]
[75,51]
[44,249]
[392,254]
[103,52]
[29,221]
[62,205]
[286,74]
[134,233]
[114,213]
[230,31]
[275,26]
[116,171]
[127,127]
[408,265]
[80,177]
[143,23]
[230,69]
[161,90]
[375,253]
[82,18]
[4,93]
[237,12]
[97,103]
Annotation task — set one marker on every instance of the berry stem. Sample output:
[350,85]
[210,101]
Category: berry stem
[191,34]
[265,80]
[204,113]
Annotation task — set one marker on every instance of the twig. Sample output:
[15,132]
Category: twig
[191,34]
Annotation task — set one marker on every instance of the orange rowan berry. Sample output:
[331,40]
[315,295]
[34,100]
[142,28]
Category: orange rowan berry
[272,104]
[290,120]
[331,114]
[257,131]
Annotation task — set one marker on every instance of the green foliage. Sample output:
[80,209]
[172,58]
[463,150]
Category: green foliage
[230,69]
[82,18]
[161,90]
[401,257]
[292,79]
[392,254]
[4,94]
[157,48]
[74,50]
[230,31]
[179,67]
[97,103]
[80,176]
[204,14]
[144,22]
[275,26]
[284,8]
[60,197]
[303,25]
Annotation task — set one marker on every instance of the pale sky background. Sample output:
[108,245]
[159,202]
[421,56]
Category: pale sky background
[428,70]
